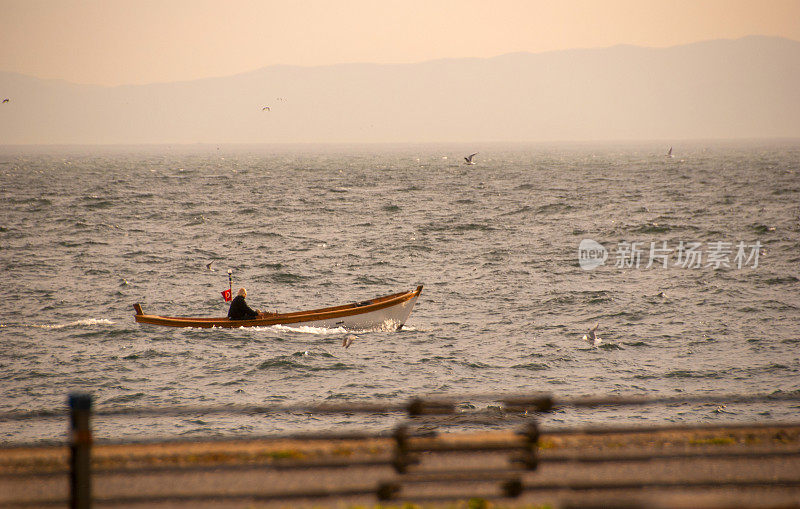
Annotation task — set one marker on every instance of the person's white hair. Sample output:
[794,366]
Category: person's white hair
[242,292]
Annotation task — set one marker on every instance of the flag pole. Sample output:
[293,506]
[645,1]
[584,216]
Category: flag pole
[230,281]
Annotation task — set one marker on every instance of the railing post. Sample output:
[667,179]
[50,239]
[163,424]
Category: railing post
[530,453]
[80,446]
[401,457]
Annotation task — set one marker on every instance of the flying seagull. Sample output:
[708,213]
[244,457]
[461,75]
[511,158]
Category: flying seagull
[469,160]
[265,108]
[5,100]
[348,340]
[669,153]
[591,336]
[208,265]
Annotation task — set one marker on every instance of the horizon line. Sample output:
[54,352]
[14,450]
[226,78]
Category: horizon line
[603,141]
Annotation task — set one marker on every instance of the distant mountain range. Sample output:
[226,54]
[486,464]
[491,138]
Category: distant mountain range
[744,88]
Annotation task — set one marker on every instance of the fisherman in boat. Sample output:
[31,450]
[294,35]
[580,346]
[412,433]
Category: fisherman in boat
[239,309]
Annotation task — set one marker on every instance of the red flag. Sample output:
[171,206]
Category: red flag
[227,295]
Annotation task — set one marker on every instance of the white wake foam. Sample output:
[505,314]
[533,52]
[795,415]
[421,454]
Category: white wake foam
[308,330]
[77,323]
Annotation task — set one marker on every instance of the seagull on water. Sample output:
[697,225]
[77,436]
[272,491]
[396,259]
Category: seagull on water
[469,160]
[591,336]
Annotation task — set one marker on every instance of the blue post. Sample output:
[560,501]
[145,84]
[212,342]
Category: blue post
[80,446]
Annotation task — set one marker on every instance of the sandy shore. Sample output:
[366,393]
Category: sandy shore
[742,466]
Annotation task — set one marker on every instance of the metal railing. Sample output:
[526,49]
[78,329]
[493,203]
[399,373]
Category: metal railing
[413,444]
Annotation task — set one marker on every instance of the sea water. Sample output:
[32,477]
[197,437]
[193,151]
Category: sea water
[690,264]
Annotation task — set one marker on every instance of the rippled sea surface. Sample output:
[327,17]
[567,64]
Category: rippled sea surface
[87,232]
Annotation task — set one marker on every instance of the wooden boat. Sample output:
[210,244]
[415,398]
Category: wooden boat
[389,312]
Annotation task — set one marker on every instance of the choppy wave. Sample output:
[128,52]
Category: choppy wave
[505,303]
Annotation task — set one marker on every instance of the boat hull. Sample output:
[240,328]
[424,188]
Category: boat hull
[389,312]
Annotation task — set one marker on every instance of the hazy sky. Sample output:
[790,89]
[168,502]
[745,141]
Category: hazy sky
[112,42]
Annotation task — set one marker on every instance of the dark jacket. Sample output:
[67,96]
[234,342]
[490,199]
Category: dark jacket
[239,310]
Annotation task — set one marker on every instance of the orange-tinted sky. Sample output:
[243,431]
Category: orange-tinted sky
[112,42]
